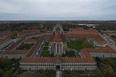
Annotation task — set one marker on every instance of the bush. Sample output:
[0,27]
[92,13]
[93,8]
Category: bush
[41,70]
[1,72]
[67,71]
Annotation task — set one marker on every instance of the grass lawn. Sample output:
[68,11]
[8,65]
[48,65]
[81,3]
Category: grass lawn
[75,45]
[69,54]
[45,48]
[47,43]
[25,47]
[114,61]
[46,54]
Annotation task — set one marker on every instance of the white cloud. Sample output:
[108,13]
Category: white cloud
[33,9]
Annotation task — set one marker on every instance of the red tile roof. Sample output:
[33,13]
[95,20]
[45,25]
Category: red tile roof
[34,47]
[14,52]
[85,53]
[106,34]
[113,38]
[29,40]
[57,37]
[52,60]
[81,35]
[4,40]
[15,44]
[106,49]
[5,33]
[99,39]
[83,32]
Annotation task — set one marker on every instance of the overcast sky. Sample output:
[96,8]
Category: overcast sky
[57,9]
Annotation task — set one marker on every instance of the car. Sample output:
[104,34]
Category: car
[110,43]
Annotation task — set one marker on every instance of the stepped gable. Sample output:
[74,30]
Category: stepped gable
[58,37]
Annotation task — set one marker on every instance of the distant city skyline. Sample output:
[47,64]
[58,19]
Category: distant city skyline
[57,10]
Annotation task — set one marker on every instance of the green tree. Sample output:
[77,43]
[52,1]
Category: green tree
[108,72]
[87,44]
[2,60]
[7,74]
[82,39]
[1,72]
[109,61]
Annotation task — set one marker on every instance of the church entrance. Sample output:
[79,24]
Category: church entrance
[57,67]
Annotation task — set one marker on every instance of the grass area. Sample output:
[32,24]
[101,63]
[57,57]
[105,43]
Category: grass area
[47,43]
[46,54]
[45,48]
[25,47]
[75,45]
[36,38]
[114,60]
[69,54]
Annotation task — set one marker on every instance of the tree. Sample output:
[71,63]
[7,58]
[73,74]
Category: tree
[1,72]
[25,74]
[108,72]
[7,74]
[87,44]
[41,70]
[2,60]
[109,61]
[82,39]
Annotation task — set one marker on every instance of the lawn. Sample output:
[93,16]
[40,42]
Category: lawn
[47,43]
[45,48]
[69,54]
[46,54]
[114,61]
[75,45]
[25,47]
[36,38]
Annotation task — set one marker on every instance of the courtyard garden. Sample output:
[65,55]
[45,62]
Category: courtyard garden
[75,45]
[47,43]
[69,54]
[36,38]
[25,47]
[46,54]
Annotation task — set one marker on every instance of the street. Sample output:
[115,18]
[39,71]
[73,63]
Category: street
[40,49]
[108,42]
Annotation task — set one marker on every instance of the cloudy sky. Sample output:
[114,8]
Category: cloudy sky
[57,9]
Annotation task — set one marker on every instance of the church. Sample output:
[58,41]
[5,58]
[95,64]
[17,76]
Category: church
[57,41]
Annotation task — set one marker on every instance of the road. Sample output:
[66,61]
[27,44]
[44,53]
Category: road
[108,42]
[40,49]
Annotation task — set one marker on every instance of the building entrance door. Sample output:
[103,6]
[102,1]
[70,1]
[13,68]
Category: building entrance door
[57,67]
